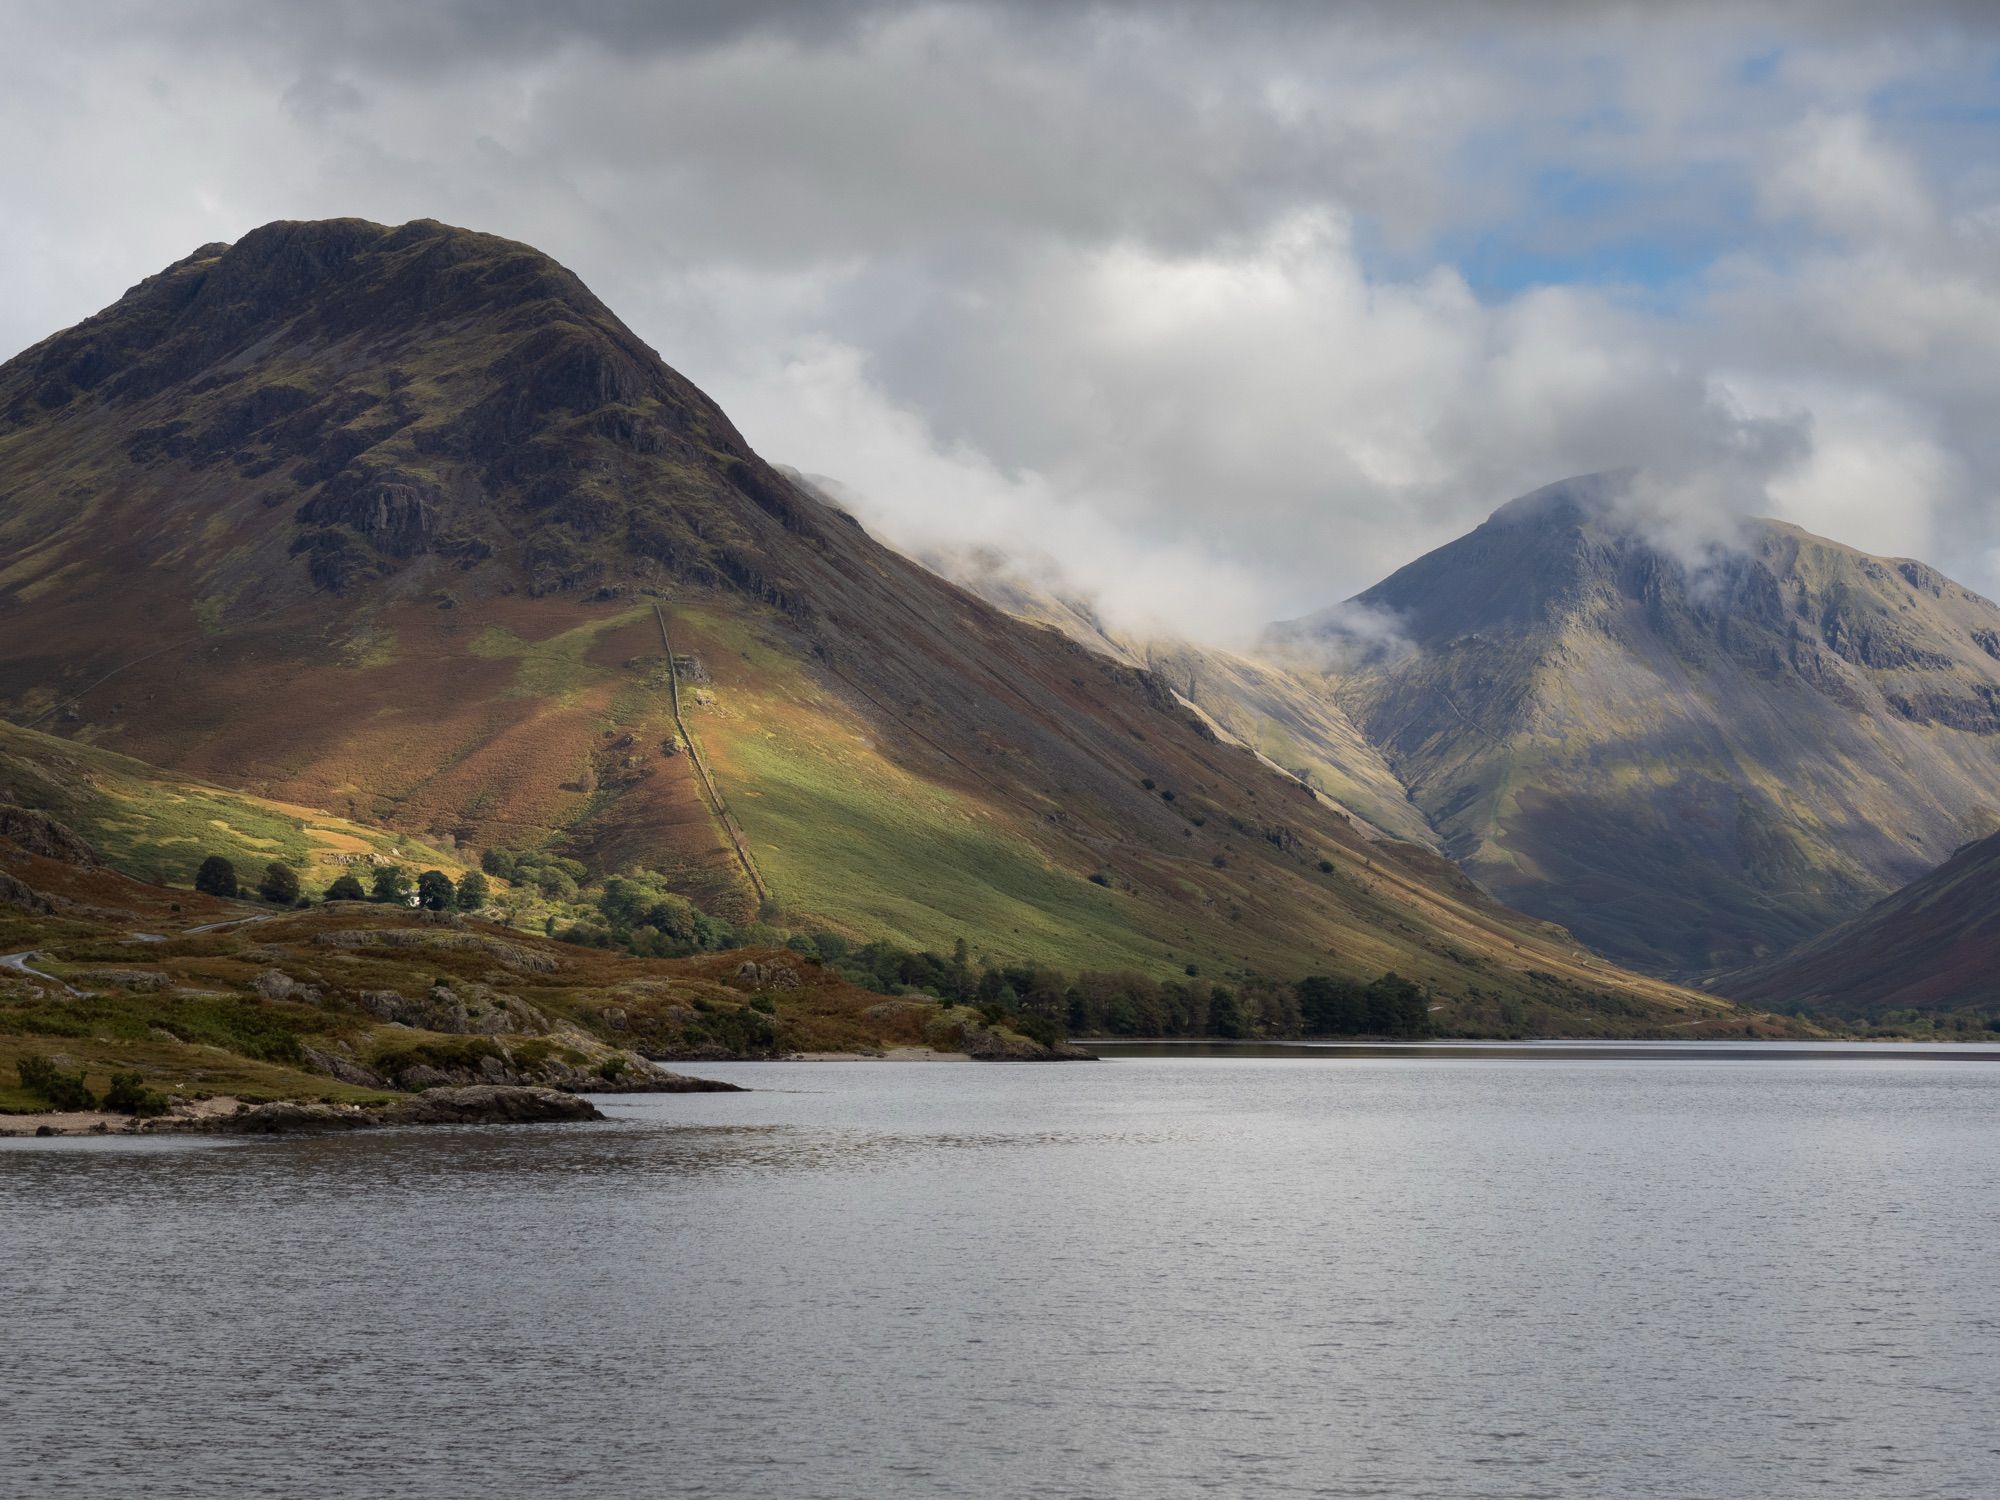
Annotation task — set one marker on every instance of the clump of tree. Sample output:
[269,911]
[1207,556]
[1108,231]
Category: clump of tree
[390,883]
[346,888]
[1044,1002]
[1390,1006]
[640,916]
[59,1090]
[557,878]
[128,1095]
[279,883]
[217,877]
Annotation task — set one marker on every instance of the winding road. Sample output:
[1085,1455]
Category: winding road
[18,962]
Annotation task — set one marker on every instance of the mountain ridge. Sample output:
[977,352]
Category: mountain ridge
[1928,948]
[1692,767]
[377,520]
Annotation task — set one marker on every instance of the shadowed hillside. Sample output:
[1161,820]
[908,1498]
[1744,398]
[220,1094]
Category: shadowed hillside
[1933,946]
[390,521]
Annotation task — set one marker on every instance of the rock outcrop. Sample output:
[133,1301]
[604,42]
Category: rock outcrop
[38,833]
[478,1104]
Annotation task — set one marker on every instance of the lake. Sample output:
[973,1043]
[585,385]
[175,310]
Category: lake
[1439,1273]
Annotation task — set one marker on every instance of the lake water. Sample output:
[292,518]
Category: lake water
[1489,1276]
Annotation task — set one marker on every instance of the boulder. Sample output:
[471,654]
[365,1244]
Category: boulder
[488,1104]
[19,893]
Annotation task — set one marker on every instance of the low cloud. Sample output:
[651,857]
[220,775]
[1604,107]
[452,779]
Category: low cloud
[1225,311]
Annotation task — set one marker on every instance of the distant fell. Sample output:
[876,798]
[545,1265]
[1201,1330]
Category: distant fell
[1932,947]
[1693,762]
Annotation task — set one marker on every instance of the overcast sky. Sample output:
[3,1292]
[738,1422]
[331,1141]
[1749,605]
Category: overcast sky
[1231,308]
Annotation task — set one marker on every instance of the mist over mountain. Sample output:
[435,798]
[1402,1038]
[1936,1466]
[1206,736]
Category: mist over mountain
[1693,739]
[1693,760]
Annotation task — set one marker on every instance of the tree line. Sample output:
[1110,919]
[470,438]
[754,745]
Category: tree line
[637,914]
[433,890]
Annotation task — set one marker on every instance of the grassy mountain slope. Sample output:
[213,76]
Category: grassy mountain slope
[158,826]
[1933,946]
[1690,768]
[1280,706]
[389,521]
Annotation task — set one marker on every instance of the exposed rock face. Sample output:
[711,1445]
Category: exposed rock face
[480,1104]
[18,893]
[488,1104]
[38,833]
[1687,762]
[480,1011]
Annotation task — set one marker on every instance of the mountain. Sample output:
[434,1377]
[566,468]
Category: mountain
[1932,947]
[1279,706]
[404,524]
[1693,764]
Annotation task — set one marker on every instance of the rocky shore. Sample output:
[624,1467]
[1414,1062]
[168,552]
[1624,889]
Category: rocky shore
[463,1104]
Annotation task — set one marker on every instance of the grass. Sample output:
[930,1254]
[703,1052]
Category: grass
[847,839]
[172,1066]
[867,848]
[558,665]
[158,827]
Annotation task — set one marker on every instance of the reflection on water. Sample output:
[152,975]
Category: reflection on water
[1437,1276]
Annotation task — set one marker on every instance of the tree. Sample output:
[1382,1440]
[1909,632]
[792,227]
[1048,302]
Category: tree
[280,884]
[1225,1015]
[346,888]
[216,877]
[392,883]
[1395,1007]
[473,891]
[435,891]
[1330,1007]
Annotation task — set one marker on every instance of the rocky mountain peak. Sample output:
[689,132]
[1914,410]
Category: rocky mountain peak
[400,393]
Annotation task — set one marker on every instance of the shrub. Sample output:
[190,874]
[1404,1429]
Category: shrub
[1099,877]
[346,888]
[128,1095]
[216,877]
[1039,1029]
[279,885]
[61,1090]
[444,1054]
[1326,867]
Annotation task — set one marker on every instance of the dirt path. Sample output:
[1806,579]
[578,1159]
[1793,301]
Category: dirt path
[262,916]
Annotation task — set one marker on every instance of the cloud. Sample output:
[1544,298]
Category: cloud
[1228,310]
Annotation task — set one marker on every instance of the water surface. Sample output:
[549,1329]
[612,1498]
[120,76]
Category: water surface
[1426,1275]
